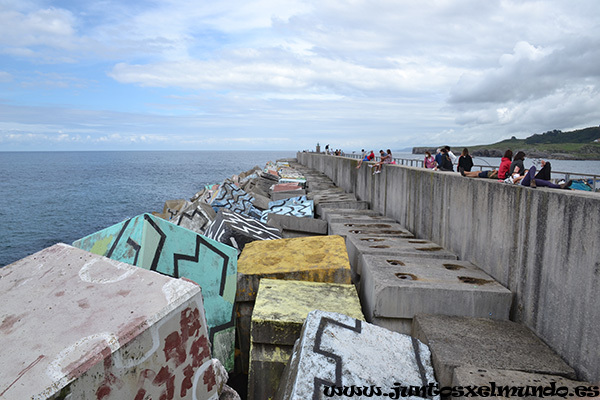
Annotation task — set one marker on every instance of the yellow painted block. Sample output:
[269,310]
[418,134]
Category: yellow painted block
[282,306]
[313,258]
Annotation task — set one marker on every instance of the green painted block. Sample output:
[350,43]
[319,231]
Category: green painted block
[158,245]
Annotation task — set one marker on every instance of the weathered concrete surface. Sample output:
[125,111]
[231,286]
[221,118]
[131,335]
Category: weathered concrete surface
[280,310]
[236,230]
[520,384]
[83,326]
[336,350]
[365,229]
[294,206]
[485,343]
[287,194]
[542,244]
[354,216]
[342,204]
[287,223]
[359,245]
[172,208]
[152,243]
[314,258]
[399,288]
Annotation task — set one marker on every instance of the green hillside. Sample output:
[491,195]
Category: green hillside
[576,145]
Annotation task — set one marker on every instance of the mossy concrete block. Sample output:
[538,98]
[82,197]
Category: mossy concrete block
[313,258]
[506,384]
[366,229]
[400,287]
[267,363]
[485,343]
[336,350]
[282,306]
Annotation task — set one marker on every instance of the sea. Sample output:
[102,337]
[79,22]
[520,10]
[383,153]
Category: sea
[59,197]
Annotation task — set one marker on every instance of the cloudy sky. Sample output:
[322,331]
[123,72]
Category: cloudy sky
[273,74]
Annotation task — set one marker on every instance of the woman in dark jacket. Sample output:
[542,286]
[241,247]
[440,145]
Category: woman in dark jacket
[465,162]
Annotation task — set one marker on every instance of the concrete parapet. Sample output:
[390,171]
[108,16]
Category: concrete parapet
[98,328]
[542,244]
[154,244]
[336,350]
[280,310]
[485,343]
[394,289]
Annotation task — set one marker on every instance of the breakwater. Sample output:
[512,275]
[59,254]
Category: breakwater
[542,244]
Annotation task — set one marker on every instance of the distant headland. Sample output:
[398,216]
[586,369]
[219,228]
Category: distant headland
[581,144]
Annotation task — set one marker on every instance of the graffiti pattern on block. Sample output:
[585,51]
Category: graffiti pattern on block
[178,365]
[236,230]
[155,244]
[295,206]
[233,198]
[197,217]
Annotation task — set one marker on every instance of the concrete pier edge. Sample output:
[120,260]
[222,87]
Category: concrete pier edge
[542,244]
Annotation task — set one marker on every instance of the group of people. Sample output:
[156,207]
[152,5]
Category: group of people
[330,152]
[384,156]
[511,170]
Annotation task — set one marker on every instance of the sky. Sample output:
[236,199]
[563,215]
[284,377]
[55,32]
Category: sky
[286,75]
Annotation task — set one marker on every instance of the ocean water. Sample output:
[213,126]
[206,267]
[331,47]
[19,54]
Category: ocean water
[52,197]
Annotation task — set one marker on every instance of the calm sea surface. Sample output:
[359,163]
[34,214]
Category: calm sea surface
[52,197]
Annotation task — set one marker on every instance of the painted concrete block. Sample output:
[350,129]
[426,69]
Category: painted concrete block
[152,243]
[235,199]
[270,175]
[196,217]
[485,343]
[280,310]
[287,194]
[314,258]
[294,206]
[521,384]
[390,246]
[260,200]
[336,350]
[172,208]
[308,226]
[400,287]
[237,230]
[282,187]
[282,306]
[87,327]
[366,229]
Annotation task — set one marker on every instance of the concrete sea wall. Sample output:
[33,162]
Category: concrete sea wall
[542,244]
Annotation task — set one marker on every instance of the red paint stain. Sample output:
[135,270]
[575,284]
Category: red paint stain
[83,303]
[187,384]
[60,294]
[200,351]
[102,392]
[175,348]
[123,293]
[132,329]
[210,379]
[9,322]
[165,377]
